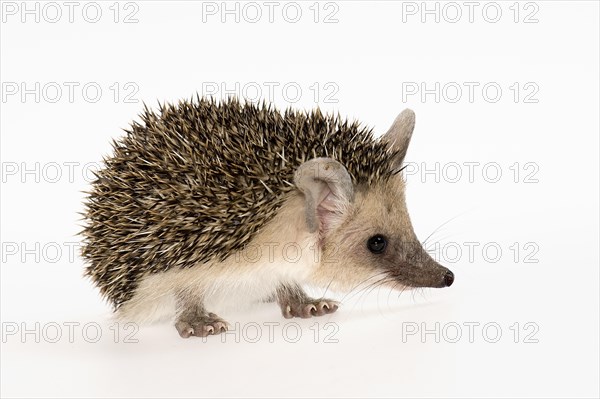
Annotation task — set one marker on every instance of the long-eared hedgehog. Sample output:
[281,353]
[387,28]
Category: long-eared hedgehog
[207,203]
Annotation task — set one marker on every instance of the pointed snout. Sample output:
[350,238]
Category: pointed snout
[444,277]
[421,270]
[439,276]
[434,276]
[448,278]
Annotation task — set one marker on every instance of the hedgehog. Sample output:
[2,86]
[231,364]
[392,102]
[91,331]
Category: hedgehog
[205,203]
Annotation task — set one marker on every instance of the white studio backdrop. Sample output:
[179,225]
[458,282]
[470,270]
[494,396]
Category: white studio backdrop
[505,149]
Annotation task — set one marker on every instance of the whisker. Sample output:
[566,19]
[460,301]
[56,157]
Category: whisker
[391,280]
[390,293]
[375,286]
[443,224]
[404,288]
[368,289]
[351,293]
[326,289]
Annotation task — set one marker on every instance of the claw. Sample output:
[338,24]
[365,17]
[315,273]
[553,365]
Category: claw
[307,310]
[184,329]
[203,327]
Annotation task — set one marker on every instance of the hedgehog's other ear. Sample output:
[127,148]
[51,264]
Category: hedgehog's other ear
[327,189]
[398,136]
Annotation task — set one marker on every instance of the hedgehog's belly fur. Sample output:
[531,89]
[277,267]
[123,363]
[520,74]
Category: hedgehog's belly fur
[287,255]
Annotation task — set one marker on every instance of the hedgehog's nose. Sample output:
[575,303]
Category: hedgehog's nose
[449,278]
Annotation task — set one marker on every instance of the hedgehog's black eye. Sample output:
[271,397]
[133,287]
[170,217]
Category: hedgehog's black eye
[377,244]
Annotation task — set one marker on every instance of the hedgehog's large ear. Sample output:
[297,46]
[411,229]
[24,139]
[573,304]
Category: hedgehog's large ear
[398,136]
[327,189]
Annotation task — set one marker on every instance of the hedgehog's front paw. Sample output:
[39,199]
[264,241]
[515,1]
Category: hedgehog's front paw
[201,326]
[309,309]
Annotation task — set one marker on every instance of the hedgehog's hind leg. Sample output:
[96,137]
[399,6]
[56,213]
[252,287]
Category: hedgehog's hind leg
[193,319]
[294,302]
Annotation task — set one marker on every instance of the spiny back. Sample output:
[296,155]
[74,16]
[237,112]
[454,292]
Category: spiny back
[198,180]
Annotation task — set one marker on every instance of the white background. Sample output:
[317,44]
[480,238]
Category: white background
[366,62]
